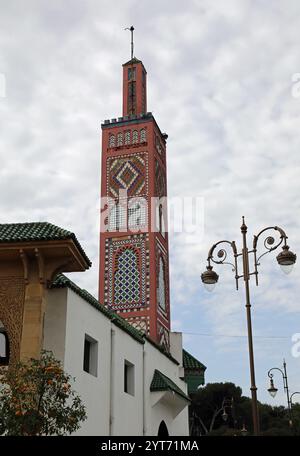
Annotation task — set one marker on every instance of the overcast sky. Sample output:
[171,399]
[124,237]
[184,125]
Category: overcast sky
[220,84]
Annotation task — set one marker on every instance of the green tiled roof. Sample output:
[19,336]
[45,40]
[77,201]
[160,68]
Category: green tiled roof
[193,372]
[37,231]
[161,382]
[62,281]
[190,362]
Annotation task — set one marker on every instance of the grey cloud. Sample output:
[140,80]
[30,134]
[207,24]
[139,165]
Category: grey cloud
[219,80]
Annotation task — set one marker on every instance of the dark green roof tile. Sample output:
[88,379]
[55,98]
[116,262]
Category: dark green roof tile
[37,231]
[190,362]
[193,372]
[161,382]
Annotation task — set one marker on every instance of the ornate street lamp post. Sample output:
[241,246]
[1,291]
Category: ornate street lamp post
[286,259]
[273,391]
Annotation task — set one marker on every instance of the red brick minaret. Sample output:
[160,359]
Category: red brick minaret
[134,259]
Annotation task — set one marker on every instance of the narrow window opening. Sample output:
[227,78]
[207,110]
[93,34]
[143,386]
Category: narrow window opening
[128,378]
[4,346]
[90,356]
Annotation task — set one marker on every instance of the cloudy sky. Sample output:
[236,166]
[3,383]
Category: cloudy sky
[220,83]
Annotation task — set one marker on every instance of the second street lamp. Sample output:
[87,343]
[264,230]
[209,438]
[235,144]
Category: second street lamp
[292,395]
[273,391]
[286,259]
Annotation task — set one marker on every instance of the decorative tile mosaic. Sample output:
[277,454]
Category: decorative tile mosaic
[135,137]
[143,135]
[127,214]
[160,181]
[127,283]
[112,140]
[128,173]
[163,336]
[120,139]
[162,280]
[127,137]
[127,277]
[161,290]
[140,323]
[124,138]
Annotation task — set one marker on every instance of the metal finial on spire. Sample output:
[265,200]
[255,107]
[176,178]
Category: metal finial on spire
[131,29]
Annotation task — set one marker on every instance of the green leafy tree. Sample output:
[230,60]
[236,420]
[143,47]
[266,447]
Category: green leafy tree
[207,406]
[206,413]
[36,398]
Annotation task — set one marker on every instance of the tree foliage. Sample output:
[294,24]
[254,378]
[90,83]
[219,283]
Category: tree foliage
[36,398]
[206,413]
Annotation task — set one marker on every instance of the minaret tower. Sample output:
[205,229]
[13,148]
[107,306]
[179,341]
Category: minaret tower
[134,258]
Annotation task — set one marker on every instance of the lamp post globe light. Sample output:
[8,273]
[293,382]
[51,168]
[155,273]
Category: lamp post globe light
[286,260]
[244,430]
[209,278]
[272,390]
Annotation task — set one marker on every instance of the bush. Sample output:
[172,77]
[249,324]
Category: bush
[36,398]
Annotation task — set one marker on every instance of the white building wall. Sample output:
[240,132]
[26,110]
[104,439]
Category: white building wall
[83,319]
[110,410]
[127,416]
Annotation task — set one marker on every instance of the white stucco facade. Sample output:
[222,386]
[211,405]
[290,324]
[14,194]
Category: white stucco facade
[69,320]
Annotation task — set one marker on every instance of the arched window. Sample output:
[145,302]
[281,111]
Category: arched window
[4,346]
[160,219]
[135,137]
[120,139]
[127,277]
[143,137]
[163,430]
[127,137]
[112,140]
[161,290]
[158,146]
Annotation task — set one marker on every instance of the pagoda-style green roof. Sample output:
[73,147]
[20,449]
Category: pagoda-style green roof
[191,363]
[161,382]
[11,233]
